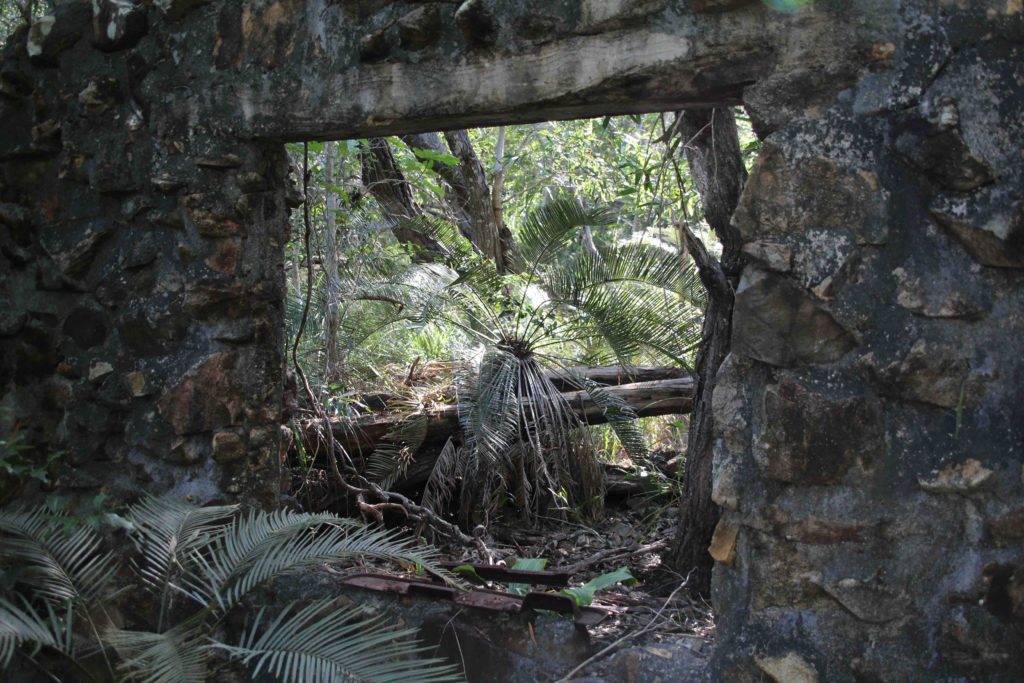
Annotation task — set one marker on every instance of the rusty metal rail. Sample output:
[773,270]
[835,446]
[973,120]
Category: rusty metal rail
[480,598]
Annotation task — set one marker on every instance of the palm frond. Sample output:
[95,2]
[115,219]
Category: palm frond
[488,405]
[58,563]
[20,625]
[443,477]
[168,532]
[392,455]
[544,231]
[321,644]
[175,656]
[262,545]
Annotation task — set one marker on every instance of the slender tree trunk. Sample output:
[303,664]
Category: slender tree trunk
[712,150]
[473,205]
[331,262]
[388,185]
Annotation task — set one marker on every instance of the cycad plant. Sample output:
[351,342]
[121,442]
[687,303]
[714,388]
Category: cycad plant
[622,304]
[60,598]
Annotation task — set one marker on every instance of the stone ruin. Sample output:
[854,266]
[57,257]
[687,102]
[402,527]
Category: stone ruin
[870,418]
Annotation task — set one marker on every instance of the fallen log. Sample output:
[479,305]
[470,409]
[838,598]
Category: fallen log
[360,435]
[568,380]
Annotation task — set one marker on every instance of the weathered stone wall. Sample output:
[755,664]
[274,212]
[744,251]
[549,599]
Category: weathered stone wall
[871,454]
[141,252]
[870,419]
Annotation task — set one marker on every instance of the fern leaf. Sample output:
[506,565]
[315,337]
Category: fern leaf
[263,545]
[168,532]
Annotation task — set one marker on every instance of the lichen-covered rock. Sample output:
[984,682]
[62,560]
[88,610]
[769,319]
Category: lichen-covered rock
[776,322]
[929,139]
[118,24]
[989,224]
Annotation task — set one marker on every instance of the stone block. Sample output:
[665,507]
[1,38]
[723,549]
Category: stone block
[100,94]
[1007,529]
[51,35]
[606,15]
[773,256]
[928,138]
[786,196]
[228,447]
[812,438]
[787,668]
[190,406]
[476,19]
[118,24]
[137,385]
[420,28]
[723,541]
[870,601]
[224,258]
[964,477]
[929,372]
[989,224]
[777,322]
[210,216]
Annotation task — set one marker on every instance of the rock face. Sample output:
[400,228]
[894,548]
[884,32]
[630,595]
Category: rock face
[870,422]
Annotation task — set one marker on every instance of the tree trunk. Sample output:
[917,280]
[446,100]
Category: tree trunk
[712,150]
[331,262]
[473,206]
[487,234]
[388,185]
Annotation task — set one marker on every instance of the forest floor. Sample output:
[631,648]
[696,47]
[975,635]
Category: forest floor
[653,629]
[650,619]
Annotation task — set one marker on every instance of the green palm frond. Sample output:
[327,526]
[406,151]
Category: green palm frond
[443,477]
[20,625]
[488,404]
[544,231]
[636,263]
[322,644]
[58,563]
[392,455]
[169,532]
[262,545]
[632,318]
[175,656]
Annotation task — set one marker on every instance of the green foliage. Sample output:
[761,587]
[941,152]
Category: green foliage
[532,564]
[195,565]
[598,277]
[19,464]
[584,595]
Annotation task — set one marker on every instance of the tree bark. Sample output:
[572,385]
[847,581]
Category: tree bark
[712,149]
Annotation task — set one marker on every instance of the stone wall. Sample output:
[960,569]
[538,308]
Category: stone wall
[871,455]
[871,427]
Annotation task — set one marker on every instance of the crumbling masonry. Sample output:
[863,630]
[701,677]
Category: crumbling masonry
[871,416]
